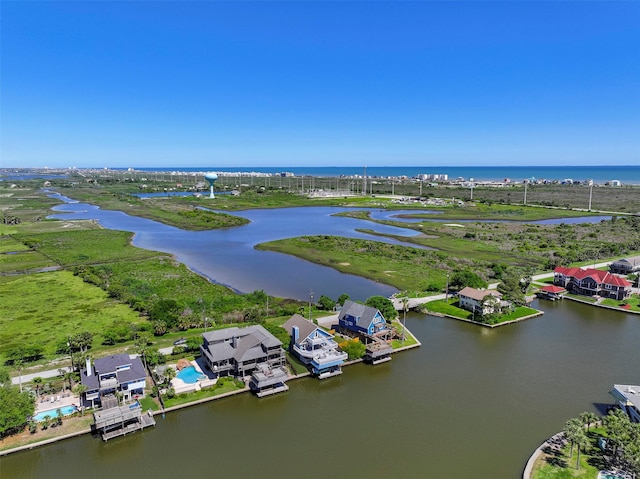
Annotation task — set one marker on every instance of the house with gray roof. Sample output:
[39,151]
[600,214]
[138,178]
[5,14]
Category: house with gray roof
[116,374]
[360,318]
[239,351]
[625,265]
[315,347]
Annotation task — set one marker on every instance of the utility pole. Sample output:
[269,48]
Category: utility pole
[525,194]
[310,301]
[590,195]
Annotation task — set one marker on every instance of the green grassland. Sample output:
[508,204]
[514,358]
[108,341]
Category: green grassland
[70,248]
[45,308]
[542,246]
[396,265]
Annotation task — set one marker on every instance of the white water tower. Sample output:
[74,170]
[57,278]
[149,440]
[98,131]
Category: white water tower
[211,177]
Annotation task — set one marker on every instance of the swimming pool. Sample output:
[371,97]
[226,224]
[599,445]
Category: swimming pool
[609,475]
[190,375]
[53,413]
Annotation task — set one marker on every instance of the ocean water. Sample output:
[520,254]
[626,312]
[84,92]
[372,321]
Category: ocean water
[628,174]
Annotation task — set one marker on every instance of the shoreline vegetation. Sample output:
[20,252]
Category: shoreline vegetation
[96,272]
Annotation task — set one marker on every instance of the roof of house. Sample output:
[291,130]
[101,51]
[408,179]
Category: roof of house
[305,327]
[268,339]
[248,344]
[364,314]
[110,364]
[478,294]
[598,275]
[633,260]
[553,289]
[629,392]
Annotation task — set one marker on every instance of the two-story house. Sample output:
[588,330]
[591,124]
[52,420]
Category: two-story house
[592,282]
[239,351]
[118,374]
[480,301]
[314,347]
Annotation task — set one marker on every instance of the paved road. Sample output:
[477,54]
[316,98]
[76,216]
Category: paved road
[51,373]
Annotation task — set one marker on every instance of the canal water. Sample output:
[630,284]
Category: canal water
[470,403]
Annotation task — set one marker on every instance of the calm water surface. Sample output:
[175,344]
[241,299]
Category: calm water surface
[470,403]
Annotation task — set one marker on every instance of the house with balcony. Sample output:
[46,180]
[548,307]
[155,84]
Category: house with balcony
[625,266]
[314,347]
[481,301]
[239,351]
[112,376]
[369,324]
[360,318]
[592,282]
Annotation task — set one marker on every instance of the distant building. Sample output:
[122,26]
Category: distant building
[625,265]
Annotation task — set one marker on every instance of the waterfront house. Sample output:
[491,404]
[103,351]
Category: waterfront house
[367,323]
[314,347]
[481,301]
[360,318]
[239,351]
[628,398]
[625,265]
[592,282]
[116,374]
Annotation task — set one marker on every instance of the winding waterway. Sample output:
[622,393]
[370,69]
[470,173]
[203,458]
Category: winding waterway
[470,403]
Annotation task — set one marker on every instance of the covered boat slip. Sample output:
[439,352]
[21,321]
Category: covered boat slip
[118,421]
[378,352]
[266,381]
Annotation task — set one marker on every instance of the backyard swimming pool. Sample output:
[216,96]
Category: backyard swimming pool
[53,413]
[190,375]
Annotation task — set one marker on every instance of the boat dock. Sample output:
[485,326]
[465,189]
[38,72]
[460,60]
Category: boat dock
[121,420]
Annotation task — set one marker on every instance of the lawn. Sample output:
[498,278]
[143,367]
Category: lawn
[633,303]
[221,388]
[561,466]
[449,308]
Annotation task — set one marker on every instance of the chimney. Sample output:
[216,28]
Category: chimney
[295,333]
[89,369]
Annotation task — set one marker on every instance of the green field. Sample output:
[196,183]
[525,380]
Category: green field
[45,308]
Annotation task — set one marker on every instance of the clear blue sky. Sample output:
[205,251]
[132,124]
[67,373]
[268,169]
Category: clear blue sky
[143,84]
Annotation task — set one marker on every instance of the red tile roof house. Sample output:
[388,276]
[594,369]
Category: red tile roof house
[592,282]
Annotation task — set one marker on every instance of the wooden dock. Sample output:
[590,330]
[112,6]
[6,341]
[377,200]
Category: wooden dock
[118,421]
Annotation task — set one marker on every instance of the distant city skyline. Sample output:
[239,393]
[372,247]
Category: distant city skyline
[253,84]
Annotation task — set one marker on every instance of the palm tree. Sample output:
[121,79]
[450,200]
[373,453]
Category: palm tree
[581,441]
[37,381]
[405,306]
[169,374]
[572,430]
[588,418]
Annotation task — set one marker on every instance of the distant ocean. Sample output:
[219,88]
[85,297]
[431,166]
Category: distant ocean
[599,174]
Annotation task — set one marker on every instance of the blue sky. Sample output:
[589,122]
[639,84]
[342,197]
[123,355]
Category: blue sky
[143,84]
